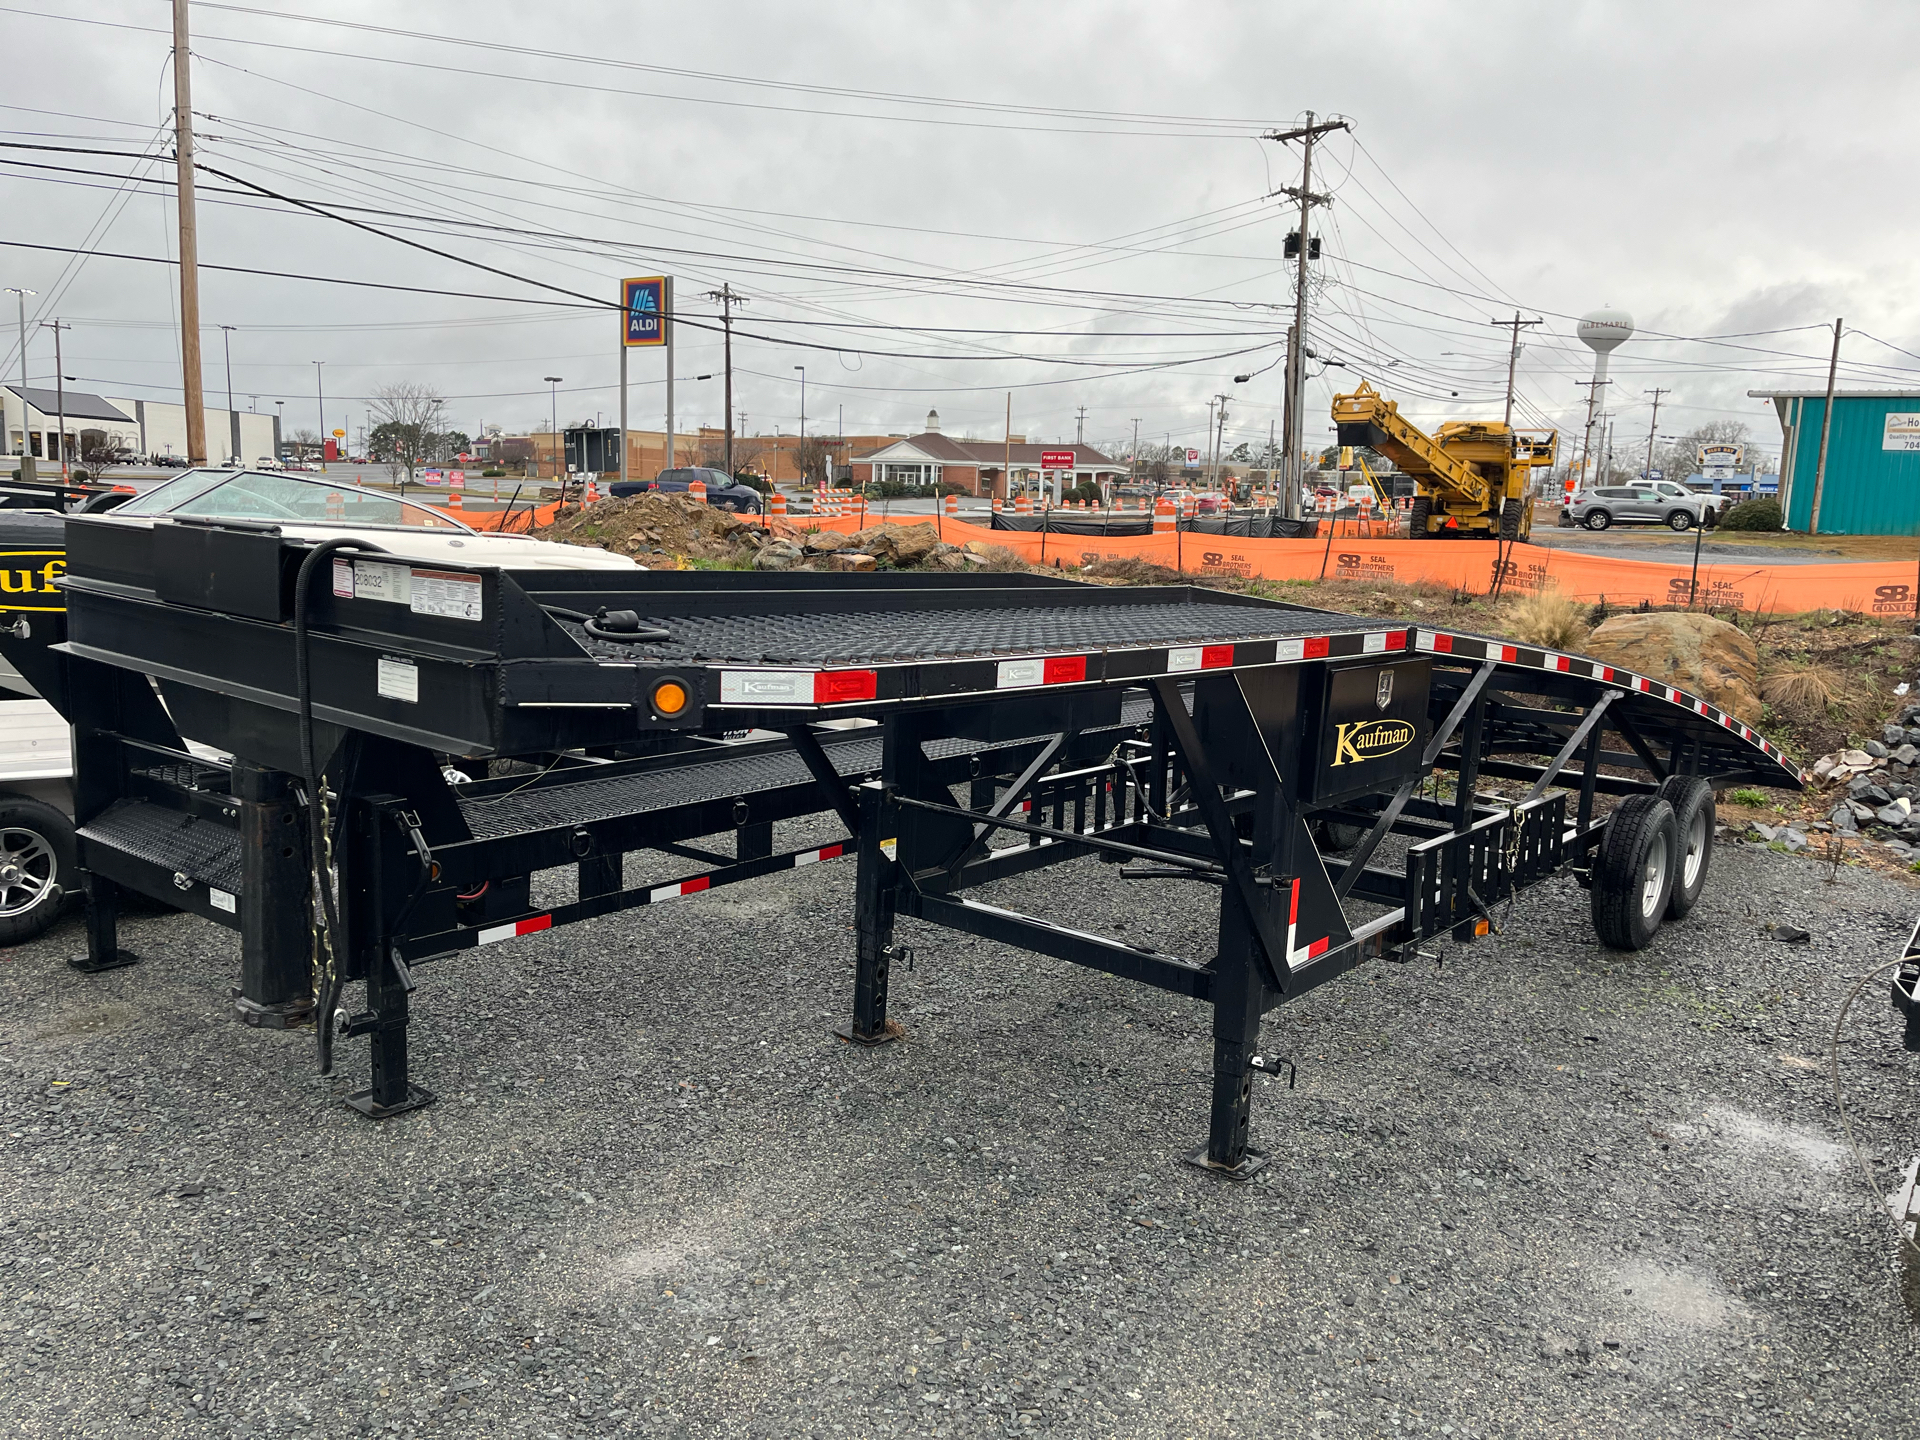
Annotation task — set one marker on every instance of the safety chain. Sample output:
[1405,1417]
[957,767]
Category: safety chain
[325,964]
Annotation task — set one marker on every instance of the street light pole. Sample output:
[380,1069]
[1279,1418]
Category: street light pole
[25,448]
[553,431]
[321,395]
[800,450]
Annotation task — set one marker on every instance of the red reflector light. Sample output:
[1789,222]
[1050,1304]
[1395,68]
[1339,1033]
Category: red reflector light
[834,687]
[1396,640]
[1214,656]
[1443,643]
[1316,648]
[1064,670]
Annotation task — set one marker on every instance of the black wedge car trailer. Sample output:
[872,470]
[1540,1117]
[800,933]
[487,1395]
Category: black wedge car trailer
[1178,732]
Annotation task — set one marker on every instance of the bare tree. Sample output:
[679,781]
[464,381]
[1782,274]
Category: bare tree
[405,417]
[814,458]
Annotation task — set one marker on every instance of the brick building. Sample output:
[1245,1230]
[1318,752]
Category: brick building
[981,467]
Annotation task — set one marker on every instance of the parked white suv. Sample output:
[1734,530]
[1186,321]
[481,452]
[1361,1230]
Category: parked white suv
[1644,502]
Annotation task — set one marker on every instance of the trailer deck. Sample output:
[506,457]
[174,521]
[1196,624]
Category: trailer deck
[446,734]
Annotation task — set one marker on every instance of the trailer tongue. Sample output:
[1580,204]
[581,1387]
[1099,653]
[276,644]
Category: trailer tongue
[952,730]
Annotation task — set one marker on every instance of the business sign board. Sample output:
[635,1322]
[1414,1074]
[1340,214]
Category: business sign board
[1056,459]
[1902,431]
[1193,457]
[1719,462]
[643,310]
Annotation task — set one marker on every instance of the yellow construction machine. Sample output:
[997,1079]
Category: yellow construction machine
[1470,478]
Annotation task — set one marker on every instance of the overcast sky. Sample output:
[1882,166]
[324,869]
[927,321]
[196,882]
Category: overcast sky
[917,199]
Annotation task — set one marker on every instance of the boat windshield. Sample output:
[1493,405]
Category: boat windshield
[260,495]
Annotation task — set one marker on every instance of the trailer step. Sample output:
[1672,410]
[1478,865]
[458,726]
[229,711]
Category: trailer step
[204,851]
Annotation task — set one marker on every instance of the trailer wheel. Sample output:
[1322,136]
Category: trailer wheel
[36,868]
[1417,517]
[1633,873]
[1511,514]
[1337,837]
[1693,821]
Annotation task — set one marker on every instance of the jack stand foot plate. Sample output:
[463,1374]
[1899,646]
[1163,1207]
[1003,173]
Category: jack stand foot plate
[121,959]
[1251,1164]
[891,1031]
[363,1101]
[283,1016]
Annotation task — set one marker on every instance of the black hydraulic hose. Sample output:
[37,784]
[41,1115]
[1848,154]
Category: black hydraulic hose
[327,988]
[622,627]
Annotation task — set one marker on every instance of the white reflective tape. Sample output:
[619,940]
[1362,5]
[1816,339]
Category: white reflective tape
[1015,673]
[1425,641]
[1373,644]
[1187,657]
[498,932]
[766,687]
[1290,650]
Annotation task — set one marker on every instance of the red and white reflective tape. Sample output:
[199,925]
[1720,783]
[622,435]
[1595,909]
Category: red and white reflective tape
[814,857]
[514,928]
[1048,670]
[797,687]
[1198,657]
[1315,648]
[683,887]
[1298,955]
[1380,641]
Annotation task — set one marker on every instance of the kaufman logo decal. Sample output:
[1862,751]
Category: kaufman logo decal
[1370,740]
[29,579]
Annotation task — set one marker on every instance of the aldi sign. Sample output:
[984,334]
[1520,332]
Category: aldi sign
[643,310]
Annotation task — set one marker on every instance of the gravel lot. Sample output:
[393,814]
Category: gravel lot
[1543,1190]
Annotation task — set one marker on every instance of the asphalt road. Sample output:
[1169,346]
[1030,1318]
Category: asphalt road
[1542,1190]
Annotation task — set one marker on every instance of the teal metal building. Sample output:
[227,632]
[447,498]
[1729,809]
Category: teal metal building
[1872,484]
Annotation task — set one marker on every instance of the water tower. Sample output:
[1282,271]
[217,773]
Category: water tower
[1602,331]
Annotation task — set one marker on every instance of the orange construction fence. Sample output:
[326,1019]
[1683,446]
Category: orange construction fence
[1869,587]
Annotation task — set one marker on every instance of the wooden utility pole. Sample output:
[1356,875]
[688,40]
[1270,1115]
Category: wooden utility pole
[1826,430]
[190,387]
[1516,324]
[1652,425]
[728,298]
[1297,340]
[59,388]
[1006,462]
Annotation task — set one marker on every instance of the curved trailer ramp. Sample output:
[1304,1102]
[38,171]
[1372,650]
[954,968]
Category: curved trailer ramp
[1284,756]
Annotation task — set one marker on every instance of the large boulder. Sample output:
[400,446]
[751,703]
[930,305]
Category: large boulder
[778,555]
[899,545]
[1705,657]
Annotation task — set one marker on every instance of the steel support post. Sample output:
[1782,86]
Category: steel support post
[1240,998]
[103,927]
[1472,739]
[873,914]
[368,893]
[276,933]
[601,875]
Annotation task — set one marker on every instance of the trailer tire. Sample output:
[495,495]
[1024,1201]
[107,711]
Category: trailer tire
[1512,512]
[1417,517]
[37,868]
[1693,821]
[1633,873]
[1337,838]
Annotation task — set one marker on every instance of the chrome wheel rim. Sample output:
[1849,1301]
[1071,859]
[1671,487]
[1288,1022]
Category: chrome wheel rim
[1696,847]
[1653,874]
[28,868]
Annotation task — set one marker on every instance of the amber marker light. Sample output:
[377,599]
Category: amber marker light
[669,697]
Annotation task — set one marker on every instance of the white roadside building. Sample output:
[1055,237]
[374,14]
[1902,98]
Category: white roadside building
[33,414]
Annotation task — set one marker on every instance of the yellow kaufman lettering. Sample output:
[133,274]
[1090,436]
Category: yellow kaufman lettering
[1369,740]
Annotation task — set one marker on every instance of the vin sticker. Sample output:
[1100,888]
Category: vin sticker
[222,899]
[444,592]
[397,679]
[373,580]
